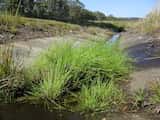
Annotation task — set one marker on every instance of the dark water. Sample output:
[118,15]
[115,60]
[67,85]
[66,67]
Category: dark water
[30,112]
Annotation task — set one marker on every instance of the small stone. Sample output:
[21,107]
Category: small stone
[104,119]
[157,110]
[146,104]
[1,36]
[11,36]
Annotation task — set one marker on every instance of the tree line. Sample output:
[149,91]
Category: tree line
[65,10]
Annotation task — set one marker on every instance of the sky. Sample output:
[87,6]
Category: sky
[121,8]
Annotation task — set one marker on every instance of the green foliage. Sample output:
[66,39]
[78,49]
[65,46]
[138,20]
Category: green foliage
[100,96]
[65,10]
[53,82]
[100,15]
[67,67]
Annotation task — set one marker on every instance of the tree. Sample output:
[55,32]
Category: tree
[27,7]
[66,10]
[100,15]
[87,15]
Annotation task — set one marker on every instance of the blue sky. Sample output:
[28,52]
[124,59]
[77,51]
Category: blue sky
[121,8]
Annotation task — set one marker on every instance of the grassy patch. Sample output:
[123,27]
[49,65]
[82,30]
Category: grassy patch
[100,96]
[68,68]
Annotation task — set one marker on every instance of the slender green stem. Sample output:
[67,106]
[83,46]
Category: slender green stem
[19,4]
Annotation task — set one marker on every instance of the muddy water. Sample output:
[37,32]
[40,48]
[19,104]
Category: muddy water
[30,112]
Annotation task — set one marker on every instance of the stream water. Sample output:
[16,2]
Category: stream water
[114,38]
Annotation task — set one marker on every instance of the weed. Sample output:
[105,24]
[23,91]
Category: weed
[139,97]
[156,93]
[11,75]
[100,96]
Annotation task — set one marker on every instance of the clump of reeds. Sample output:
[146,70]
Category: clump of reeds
[85,70]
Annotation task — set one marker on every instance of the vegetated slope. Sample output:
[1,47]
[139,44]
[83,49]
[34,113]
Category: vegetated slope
[22,28]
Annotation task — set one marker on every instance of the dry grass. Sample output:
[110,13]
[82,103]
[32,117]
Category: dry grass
[11,74]
[12,24]
[152,22]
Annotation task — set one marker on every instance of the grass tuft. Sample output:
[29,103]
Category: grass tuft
[12,76]
[67,68]
[156,93]
[100,96]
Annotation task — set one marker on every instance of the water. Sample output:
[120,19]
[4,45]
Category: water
[114,38]
[31,112]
